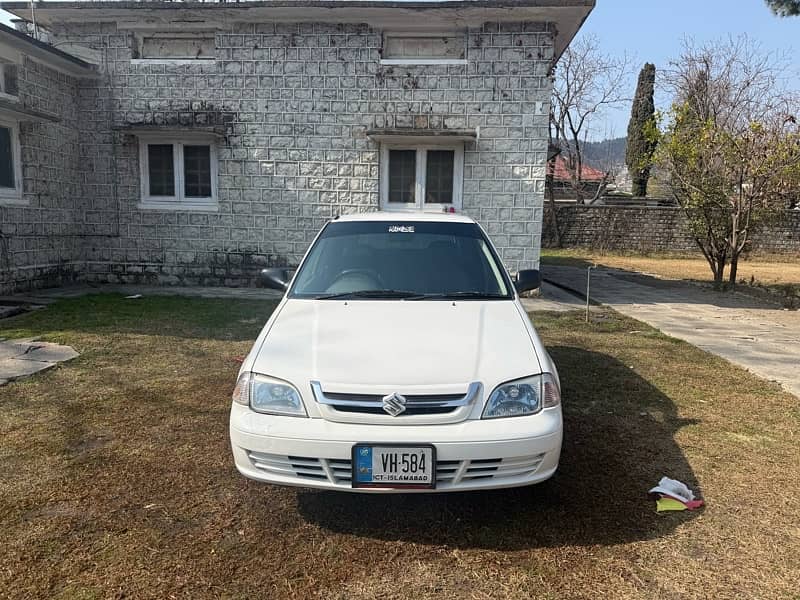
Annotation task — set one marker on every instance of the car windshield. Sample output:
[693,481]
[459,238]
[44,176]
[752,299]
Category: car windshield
[413,260]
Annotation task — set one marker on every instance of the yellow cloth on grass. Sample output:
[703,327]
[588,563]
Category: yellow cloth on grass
[669,504]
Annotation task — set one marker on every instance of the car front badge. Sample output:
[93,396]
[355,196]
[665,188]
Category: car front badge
[394,404]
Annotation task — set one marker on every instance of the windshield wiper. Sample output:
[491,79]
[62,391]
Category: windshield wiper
[406,295]
[378,294]
[460,295]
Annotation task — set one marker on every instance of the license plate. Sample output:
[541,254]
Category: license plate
[394,466]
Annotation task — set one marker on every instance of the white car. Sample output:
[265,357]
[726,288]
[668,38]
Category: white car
[400,359]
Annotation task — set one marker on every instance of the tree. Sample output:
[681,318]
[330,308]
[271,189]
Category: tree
[731,146]
[586,82]
[785,8]
[641,142]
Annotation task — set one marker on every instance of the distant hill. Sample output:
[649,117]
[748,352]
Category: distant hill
[606,155]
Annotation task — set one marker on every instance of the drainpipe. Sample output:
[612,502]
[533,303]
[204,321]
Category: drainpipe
[110,110]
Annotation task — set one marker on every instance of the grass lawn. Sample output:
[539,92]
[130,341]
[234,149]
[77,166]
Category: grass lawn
[778,275]
[116,478]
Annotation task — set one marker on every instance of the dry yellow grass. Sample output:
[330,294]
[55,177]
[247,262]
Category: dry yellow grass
[116,478]
[772,270]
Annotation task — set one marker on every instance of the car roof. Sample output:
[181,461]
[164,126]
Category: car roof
[399,217]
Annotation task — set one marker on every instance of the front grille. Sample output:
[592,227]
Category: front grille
[449,473]
[487,468]
[416,404]
[301,467]
[414,409]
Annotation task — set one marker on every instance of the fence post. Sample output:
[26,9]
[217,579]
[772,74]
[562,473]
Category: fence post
[588,285]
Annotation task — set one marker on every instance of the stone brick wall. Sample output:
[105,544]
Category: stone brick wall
[295,102]
[40,241]
[655,229]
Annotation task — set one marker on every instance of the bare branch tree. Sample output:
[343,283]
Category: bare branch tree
[587,82]
[732,146]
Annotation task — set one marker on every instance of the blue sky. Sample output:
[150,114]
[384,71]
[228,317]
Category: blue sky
[653,31]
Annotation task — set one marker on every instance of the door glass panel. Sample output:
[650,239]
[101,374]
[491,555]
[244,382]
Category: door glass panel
[197,171]
[6,159]
[439,177]
[162,169]
[402,175]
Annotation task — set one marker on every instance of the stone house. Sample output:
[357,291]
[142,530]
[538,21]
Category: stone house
[197,142]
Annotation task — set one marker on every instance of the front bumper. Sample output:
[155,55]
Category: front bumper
[472,455]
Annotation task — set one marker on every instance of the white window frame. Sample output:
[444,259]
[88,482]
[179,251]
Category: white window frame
[419,203]
[3,94]
[13,195]
[9,56]
[413,60]
[179,201]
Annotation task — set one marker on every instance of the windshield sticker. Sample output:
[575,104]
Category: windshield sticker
[401,229]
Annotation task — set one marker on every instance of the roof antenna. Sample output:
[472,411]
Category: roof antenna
[33,18]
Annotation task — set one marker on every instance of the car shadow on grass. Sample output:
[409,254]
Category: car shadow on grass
[618,442]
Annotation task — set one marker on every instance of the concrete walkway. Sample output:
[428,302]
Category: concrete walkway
[552,298]
[745,331]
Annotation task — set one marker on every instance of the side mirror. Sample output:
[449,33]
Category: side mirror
[527,280]
[276,278]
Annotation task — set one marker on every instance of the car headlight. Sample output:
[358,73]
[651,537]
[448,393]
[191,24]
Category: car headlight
[268,395]
[523,397]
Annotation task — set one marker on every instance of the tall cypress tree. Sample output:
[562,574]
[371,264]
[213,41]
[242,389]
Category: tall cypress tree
[641,145]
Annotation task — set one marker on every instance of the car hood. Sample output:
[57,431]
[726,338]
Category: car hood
[368,344]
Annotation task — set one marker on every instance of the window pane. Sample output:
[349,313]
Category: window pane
[6,159]
[439,177]
[402,175]
[10,79]
[162,169]
[197,171]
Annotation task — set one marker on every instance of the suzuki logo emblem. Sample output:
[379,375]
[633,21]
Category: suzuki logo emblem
[394,404]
